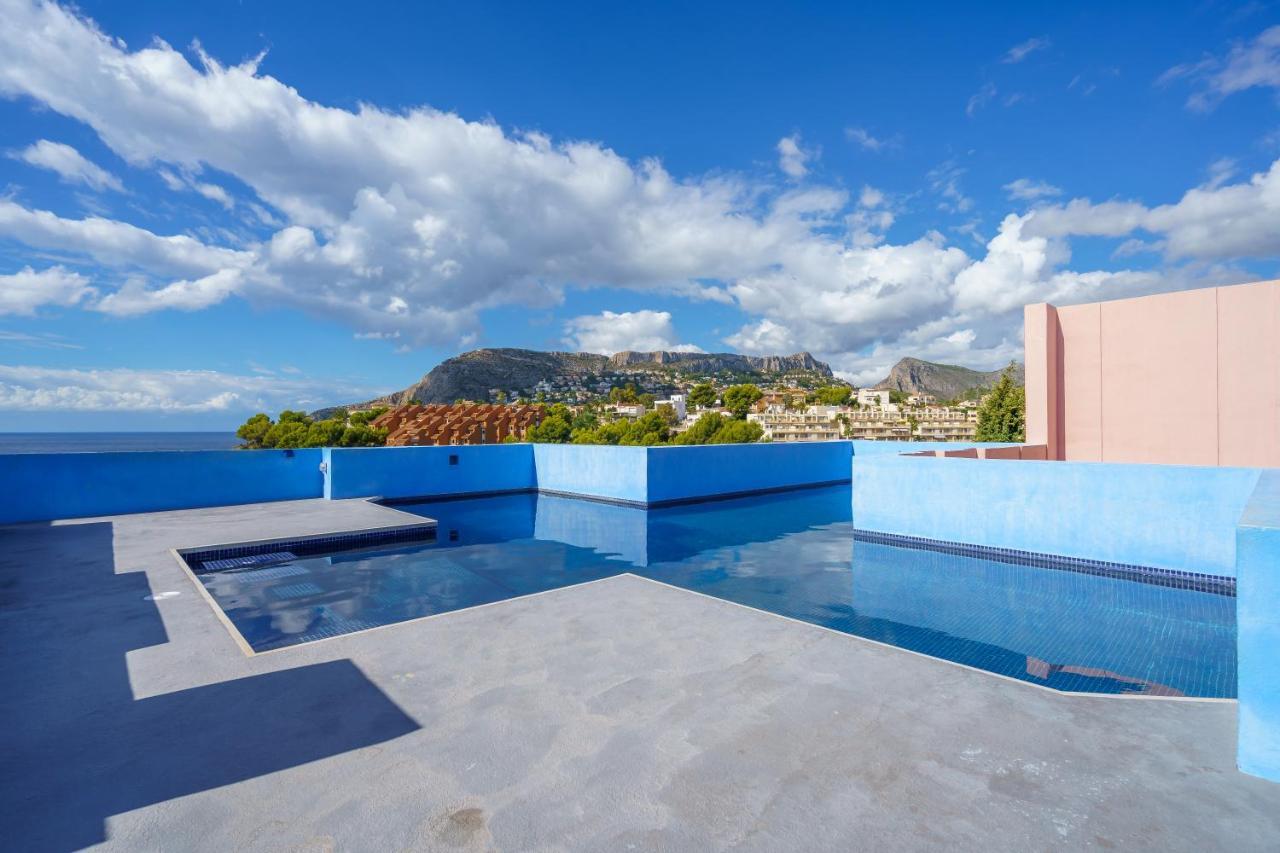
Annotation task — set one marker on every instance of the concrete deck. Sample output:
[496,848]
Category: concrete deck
[616,715]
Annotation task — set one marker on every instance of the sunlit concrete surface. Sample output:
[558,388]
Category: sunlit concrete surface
[617,715]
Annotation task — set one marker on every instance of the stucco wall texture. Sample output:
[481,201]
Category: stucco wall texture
[1187,378]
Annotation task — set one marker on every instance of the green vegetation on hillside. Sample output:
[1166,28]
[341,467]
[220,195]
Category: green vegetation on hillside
[297,429]
[561,426]
[1002,415]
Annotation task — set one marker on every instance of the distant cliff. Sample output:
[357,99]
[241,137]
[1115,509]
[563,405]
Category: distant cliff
[471,375]
[944,381]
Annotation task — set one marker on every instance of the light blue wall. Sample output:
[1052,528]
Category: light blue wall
[40,486]
[613,473]
[404,472]
[1258,629]
[867,447]
[683,473]
[1165,516]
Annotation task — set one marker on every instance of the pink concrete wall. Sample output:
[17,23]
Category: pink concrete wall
[1180,378]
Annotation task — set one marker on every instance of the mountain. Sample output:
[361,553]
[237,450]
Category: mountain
[714,362]
[472,375]
[944,381]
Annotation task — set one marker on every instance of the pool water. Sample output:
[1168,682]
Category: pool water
[789,553]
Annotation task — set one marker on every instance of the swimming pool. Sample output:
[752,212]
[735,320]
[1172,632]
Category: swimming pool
[792,553]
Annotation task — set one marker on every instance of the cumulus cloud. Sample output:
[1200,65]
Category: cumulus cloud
[1026,189]
[609,332]
[71,166]
[24,388]
[1022,50]
[24,292]
[1216,221]
[407,226]
[1248,65]
[793,160]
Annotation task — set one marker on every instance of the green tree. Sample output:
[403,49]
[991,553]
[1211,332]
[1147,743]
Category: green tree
[625,394]
[702,429]
[1003,413]
[552,430]
[833,395]
[737,432]
[254,430]
[646,400]
[739,399]
[586,419]
[702,395]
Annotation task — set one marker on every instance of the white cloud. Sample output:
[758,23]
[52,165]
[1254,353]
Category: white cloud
[1026,189]
[36,340]
[117,244]
[1247,65]
[213,192]
[980,99]
[944,180]
[609,332]
[793,160]
[868,142]
[407,226]
[24,388]
[70,165]
[1211,222]
[1021,51]
[27,290]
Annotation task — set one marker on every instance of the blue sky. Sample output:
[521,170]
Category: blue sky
[210,211]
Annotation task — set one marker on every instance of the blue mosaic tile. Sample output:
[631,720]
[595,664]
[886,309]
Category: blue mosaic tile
[1216,584]
[216,559]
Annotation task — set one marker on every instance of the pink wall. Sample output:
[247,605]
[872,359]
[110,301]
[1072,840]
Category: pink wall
[1191,377]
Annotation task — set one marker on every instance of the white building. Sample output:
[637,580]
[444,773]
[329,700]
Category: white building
[677,404]
[869,397]
[816,423]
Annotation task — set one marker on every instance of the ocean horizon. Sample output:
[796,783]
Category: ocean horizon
[113,442]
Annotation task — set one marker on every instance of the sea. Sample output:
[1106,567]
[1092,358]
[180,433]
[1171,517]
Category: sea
[112,442]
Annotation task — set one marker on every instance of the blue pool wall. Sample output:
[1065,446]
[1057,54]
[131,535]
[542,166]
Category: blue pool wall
[1163,516]
[689,473]
[596,471]
[1258,630]
[44,486]
[409,472]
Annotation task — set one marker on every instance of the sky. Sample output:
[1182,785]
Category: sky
[208,210]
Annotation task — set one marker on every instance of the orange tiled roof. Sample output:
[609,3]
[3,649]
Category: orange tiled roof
[459,423]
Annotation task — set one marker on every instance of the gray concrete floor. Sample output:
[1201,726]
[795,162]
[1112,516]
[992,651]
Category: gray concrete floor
[618,715]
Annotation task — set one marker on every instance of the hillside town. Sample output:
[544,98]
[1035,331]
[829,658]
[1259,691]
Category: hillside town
[784,414]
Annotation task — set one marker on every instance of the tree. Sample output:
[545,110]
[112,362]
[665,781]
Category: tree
[702,395]
[833,395]
[737,432]
[626,394]
[739,399]
[646,400]
[298,429]
[253,431]
[1003,413]
[713,428]
[554,429]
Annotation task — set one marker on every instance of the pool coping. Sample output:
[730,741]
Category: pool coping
[249,651]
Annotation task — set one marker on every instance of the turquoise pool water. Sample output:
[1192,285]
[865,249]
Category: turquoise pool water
[790,553]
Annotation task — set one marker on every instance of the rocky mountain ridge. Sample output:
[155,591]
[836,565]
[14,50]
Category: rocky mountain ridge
[472,375]
[944,381]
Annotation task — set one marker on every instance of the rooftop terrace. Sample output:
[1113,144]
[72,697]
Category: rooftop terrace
[618,714]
